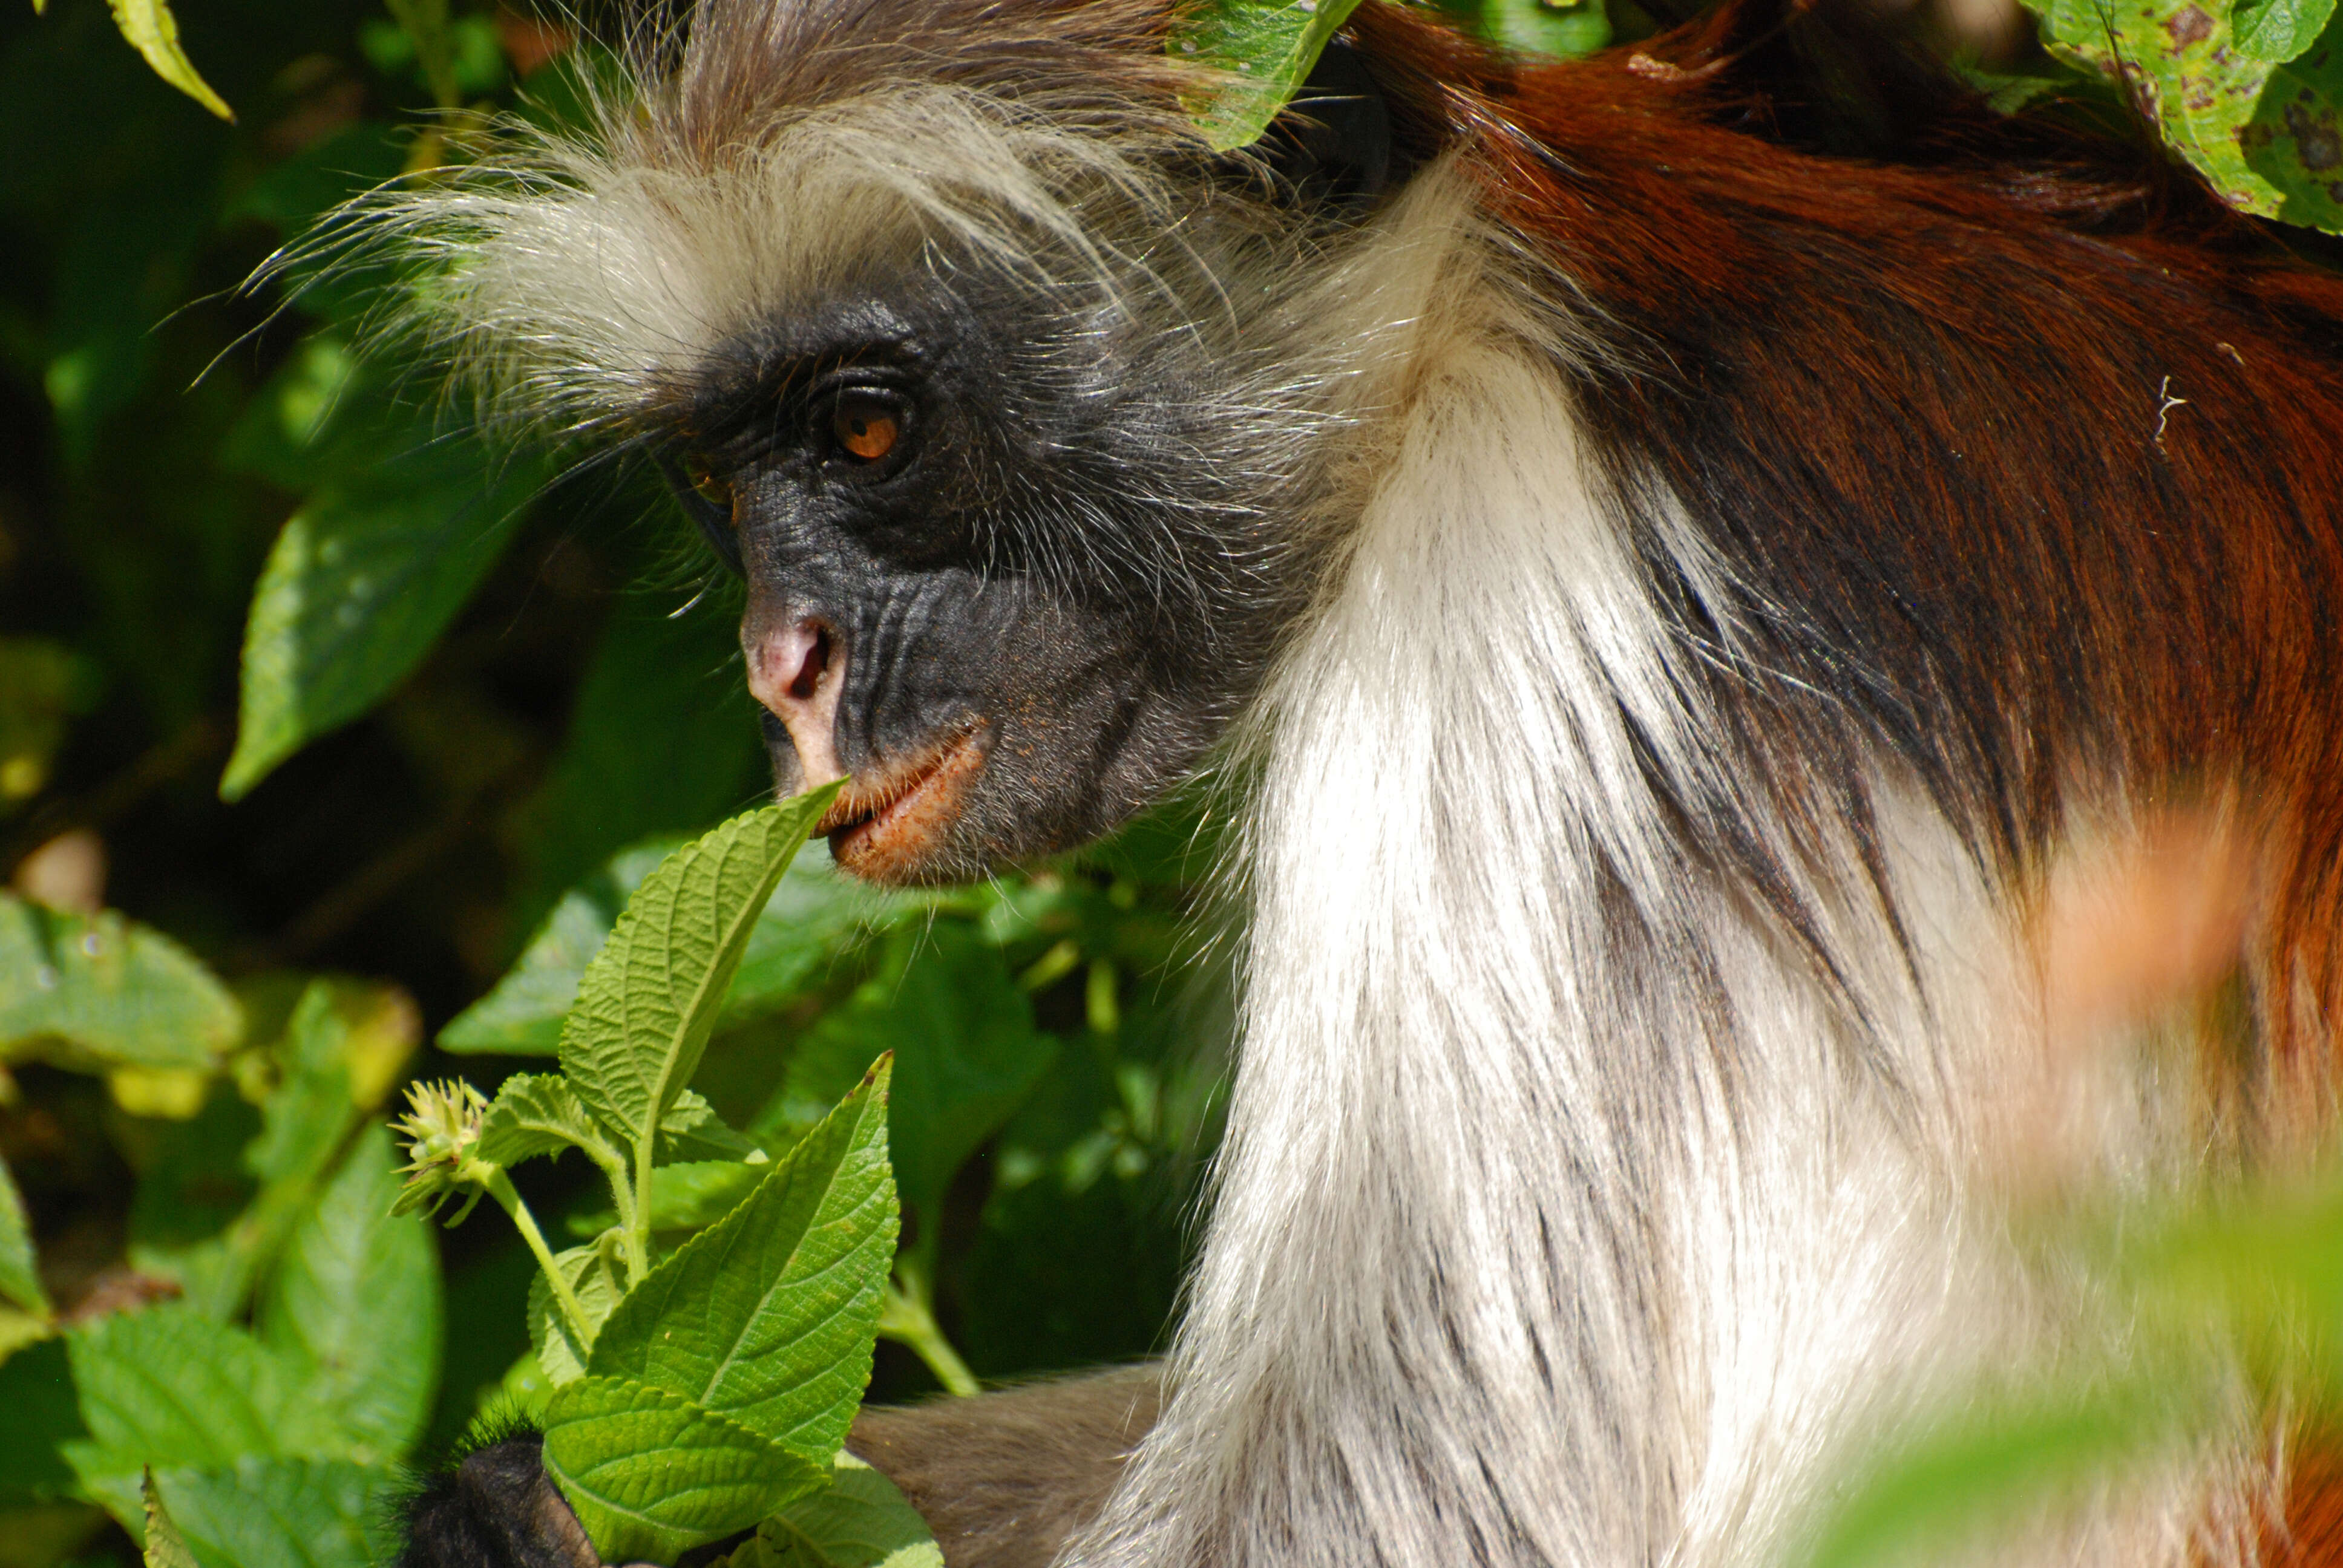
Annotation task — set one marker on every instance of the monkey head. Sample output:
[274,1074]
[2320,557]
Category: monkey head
[974,361]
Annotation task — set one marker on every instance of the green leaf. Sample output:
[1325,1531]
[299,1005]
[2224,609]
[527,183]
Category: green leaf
[1263,52]
[153,32]
[966,1053]
[266,1512]
[355,1302]
[593,1274]
[168,1386]
[166,1547]
[2177,56]
[858,1521]
[41,684]
[43,1424]
[2295,140]
[2002,1462]
[20,1276]
[309,1112]
[768,1315]
[2278,30]
[537,1113]
[360,583]
[1538,27]
[650,998]
[813,915]
[691,1130]
[652,1474]
[522,1016]
[107,990]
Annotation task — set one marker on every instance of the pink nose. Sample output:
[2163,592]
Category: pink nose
[796,670]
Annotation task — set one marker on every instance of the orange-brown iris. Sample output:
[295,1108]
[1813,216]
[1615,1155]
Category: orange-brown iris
[865,427]
[707,482]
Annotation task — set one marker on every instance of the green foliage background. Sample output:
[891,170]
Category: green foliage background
[376,728]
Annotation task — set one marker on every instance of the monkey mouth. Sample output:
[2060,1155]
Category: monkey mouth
[879,830]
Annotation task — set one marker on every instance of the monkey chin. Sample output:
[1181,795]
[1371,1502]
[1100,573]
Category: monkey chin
[894,830]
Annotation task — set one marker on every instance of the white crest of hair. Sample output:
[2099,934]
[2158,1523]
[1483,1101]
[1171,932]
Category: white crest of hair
[1565,1215]
[582,271]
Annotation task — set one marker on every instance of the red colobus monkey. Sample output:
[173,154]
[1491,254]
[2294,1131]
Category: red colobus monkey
[1668,579]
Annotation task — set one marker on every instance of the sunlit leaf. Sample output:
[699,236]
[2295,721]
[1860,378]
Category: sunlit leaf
[107,990]
[2278,30]
[537,1113]
[767,1316]
[153,32]
[1262,50]
[166,1547]
[2200,91]
[650,998]
[359,584]
[652,1474]
[2295,140]
[858,1521]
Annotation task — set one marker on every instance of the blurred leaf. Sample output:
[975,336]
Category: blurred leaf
[360,583]
[1264,48]
[813,915]
[166,1547]
[650,998]
[110,990]
[2199,90]
[652,1474]
[192,1189]
[41,683]
[2278,30]
[310,1111]
[767,1316]
[20,1278]
[294,431]
[44,1421]
[263,1512]
[965,1054]
[858,1521]
[537,1113]
[168,1386]
[356,1300]
[662,739]
[155,33]
[522,1016]
[1538,27]
[163,1093]
[1998,1464]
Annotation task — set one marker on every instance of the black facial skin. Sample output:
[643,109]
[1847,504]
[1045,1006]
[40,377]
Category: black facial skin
[1045,560]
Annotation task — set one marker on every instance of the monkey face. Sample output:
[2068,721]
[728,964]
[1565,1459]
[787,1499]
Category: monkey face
[997,579]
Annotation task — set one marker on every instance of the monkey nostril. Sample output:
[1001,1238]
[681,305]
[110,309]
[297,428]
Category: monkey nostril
[807,679]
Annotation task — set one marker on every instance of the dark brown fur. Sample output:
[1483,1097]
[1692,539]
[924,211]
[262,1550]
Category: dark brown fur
[1005,1479]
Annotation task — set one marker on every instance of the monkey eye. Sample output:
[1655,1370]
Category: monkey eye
[705,483]
[867,425]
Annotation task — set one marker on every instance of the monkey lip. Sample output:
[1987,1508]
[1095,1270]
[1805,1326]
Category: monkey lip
[877,830]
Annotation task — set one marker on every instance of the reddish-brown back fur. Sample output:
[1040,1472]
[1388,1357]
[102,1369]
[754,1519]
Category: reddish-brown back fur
[2032,472]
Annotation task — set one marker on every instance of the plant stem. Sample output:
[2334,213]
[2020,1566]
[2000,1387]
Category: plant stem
[907,1319]
[634,1215]
[622,1193]
[500,1188]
